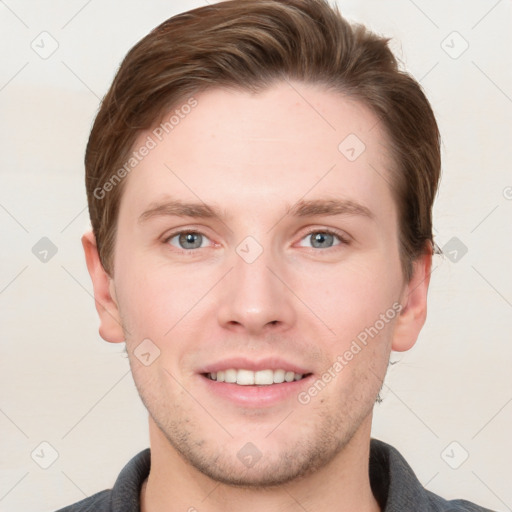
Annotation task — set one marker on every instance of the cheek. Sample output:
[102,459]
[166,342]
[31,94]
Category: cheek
[354,296]
[158,301]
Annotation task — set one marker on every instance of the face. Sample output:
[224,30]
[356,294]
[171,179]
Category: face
[257,254]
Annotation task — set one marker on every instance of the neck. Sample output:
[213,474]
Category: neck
[342,485]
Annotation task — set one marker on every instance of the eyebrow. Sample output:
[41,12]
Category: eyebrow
[303,208]
[314,207]
[175,207]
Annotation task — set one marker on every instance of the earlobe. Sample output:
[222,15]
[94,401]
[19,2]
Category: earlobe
[414,312]
[104,293]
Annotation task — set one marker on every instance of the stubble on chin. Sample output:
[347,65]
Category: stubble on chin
[206,447]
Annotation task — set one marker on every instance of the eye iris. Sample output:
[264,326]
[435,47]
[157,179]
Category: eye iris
[190,240]
[319,240]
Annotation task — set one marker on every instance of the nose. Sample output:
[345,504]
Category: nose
[255,297]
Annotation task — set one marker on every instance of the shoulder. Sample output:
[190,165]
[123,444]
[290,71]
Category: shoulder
[397,488]
[99,502]
[439,504]
[124,495]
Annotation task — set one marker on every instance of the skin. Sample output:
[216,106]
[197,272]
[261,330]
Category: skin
[253,156]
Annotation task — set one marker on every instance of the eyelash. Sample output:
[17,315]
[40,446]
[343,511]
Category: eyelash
[343,239]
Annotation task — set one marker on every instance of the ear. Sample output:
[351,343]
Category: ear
[104,292]
[414,301]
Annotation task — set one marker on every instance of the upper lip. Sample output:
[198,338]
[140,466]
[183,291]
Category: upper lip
[239,363]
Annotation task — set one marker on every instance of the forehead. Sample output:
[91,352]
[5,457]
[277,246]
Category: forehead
[258,151]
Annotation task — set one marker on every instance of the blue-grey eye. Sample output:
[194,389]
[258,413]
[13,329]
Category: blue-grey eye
[187,240]
[321,240]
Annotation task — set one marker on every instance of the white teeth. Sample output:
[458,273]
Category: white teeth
[245,377]
[264,377]
[278,376]
[230,376]
[249,378]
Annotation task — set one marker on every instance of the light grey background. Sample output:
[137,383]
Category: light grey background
[61,384]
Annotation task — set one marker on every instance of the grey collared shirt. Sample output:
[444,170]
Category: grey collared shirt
[393,483]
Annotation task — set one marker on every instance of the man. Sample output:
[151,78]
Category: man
[260,179]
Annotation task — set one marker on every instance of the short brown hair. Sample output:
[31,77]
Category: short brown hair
[249,45]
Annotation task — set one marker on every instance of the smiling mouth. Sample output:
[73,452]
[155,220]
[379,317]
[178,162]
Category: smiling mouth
[258,378]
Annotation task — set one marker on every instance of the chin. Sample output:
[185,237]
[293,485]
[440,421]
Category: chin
[261,463]
[269,471]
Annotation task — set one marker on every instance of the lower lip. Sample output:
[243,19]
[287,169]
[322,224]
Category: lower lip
[256,396]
